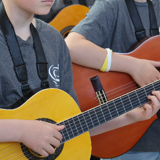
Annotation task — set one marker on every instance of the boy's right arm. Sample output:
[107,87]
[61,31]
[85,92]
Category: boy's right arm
[38,135]
[86,53]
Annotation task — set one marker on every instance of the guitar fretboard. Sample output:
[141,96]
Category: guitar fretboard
[96,116]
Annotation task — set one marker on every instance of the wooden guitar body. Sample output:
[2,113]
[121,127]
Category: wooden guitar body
[116,142]
[69,17]
[52,104]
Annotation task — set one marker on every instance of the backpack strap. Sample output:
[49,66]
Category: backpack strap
[135,17]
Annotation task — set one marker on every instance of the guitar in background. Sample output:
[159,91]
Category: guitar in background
[116,142]
[69,17]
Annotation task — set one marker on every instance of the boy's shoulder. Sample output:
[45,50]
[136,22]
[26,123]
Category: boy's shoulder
[45,27]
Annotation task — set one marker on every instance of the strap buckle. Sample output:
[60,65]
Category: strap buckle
[25,88]
[44,84]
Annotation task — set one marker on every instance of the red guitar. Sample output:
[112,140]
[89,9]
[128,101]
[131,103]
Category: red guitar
[116,142]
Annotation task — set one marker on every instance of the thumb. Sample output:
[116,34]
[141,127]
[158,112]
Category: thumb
[59,128]
[155,63]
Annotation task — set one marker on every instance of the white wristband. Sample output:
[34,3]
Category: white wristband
[109,59]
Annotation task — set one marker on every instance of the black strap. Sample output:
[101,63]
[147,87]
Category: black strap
[135,17]
[68,2]
[153,22]
[41,59]
[15,52]
[83,2]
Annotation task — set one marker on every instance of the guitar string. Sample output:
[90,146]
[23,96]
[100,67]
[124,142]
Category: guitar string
[127,105]
[130,87]
[21,157]
[114,106]
[133,83]
[119,89]
[23,152]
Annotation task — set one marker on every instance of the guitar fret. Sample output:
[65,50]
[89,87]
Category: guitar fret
[68,129]
[115,107]
[78,124]
[148,89]
[82,120]
[118,104]
[73,126]
[106,112]
[123,104]
[64,134]
[109,111]
[142,95]
[153,86]
[130,101]
[95,123]
[138,99]
[112,109]
[94,117]
[133,99]
[100,115]
[157,85]
[88,120]
[126,103]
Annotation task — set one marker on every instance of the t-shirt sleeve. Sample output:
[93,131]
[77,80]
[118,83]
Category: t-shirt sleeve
[99,22]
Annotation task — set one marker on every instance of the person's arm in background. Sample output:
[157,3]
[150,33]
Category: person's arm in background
[86,53]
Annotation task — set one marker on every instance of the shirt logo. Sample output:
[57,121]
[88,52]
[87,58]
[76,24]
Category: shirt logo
[54,74]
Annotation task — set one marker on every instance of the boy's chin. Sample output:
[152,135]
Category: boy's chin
[45,12]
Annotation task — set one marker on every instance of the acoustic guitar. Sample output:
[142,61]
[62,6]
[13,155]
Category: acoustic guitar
[56,106]
[116,142]
[69,17]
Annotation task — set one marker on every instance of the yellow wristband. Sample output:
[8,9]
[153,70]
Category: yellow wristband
[105,64]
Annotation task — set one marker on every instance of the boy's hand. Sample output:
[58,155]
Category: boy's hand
[41,136]
[147,110]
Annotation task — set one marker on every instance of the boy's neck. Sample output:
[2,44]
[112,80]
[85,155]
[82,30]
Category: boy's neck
[20,20]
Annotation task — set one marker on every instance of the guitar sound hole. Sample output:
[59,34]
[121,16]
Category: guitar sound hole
[65,31]
[30,154]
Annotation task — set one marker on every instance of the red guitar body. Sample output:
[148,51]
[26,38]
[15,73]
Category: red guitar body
[116,142]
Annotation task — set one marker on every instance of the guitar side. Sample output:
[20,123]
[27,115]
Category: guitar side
[52,104]
[116,142]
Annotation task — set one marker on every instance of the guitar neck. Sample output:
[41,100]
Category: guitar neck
[105,112]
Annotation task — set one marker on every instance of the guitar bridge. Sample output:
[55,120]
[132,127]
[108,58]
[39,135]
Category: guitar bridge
[100,93]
